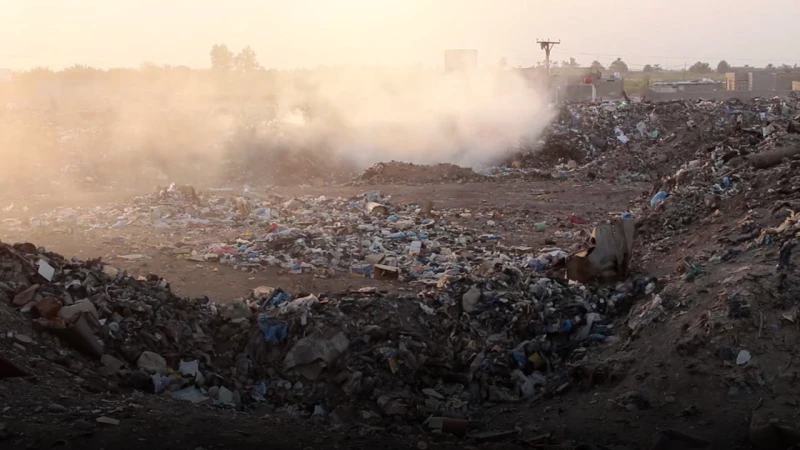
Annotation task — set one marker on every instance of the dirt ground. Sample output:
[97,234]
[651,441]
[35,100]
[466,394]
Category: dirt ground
[686,393]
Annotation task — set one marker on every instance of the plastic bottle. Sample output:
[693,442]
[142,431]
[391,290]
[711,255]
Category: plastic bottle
[658,198]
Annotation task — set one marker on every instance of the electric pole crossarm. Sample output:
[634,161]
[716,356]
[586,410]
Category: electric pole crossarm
[547,45]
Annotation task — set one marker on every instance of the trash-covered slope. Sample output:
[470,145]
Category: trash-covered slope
[499,336]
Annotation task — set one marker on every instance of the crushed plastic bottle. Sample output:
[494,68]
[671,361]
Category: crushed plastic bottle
[658,198]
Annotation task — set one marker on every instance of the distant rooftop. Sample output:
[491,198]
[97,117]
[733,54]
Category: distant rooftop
[685,82]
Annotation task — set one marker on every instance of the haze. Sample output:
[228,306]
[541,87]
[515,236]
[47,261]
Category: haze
[377,91]
[310,33]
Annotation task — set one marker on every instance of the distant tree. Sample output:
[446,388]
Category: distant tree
[648,68]
[39,73]
[786,68]
[571,63]
[700,67]
[595,66]
[770,66]
[80,73]
[246,60]
[148,66]
[657,68]
[723,67]
[618,66]
[221,58]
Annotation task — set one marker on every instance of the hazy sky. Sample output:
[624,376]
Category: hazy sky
[308,33]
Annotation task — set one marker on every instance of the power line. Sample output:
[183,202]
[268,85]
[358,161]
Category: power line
[608,55]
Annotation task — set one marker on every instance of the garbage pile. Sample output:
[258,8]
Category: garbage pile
[366,236]
[736,206]
[505,334]
[635,141]
[173,206]
[733,180]
[100,311]
[408,173]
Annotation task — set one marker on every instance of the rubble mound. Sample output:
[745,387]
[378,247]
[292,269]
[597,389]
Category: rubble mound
[408,173]
[727,182]
[496,336]
[646,141]
[100,310]
[555,147]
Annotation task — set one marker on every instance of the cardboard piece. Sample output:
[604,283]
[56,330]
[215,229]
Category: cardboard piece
[376,209]
[384,271]
[375,258]
[610,256]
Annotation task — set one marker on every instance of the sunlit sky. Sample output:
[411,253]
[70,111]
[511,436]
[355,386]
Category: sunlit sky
[309,33]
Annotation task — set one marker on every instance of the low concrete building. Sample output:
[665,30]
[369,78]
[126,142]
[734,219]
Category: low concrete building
[796,85]
[785,81]
[580,84]
[736,81]
[760,81]
[704,85]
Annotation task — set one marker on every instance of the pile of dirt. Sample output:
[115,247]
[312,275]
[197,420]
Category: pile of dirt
[407,173]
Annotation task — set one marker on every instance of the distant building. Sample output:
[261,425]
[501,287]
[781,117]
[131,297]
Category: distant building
[759,80]
[785,81]
[570,76]
[796,85]
[577,84]
[737,81]
[460,60]
[702,85]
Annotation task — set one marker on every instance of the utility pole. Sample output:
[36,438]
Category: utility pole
[547,45]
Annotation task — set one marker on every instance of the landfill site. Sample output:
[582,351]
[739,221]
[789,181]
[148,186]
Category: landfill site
[408,261]
[625,281]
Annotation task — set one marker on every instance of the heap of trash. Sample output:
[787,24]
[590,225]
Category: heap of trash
[366,236]
[643,141]
[733,176]
[499,331]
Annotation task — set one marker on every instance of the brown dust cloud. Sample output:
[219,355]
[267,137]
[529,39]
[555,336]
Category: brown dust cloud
[82,128]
